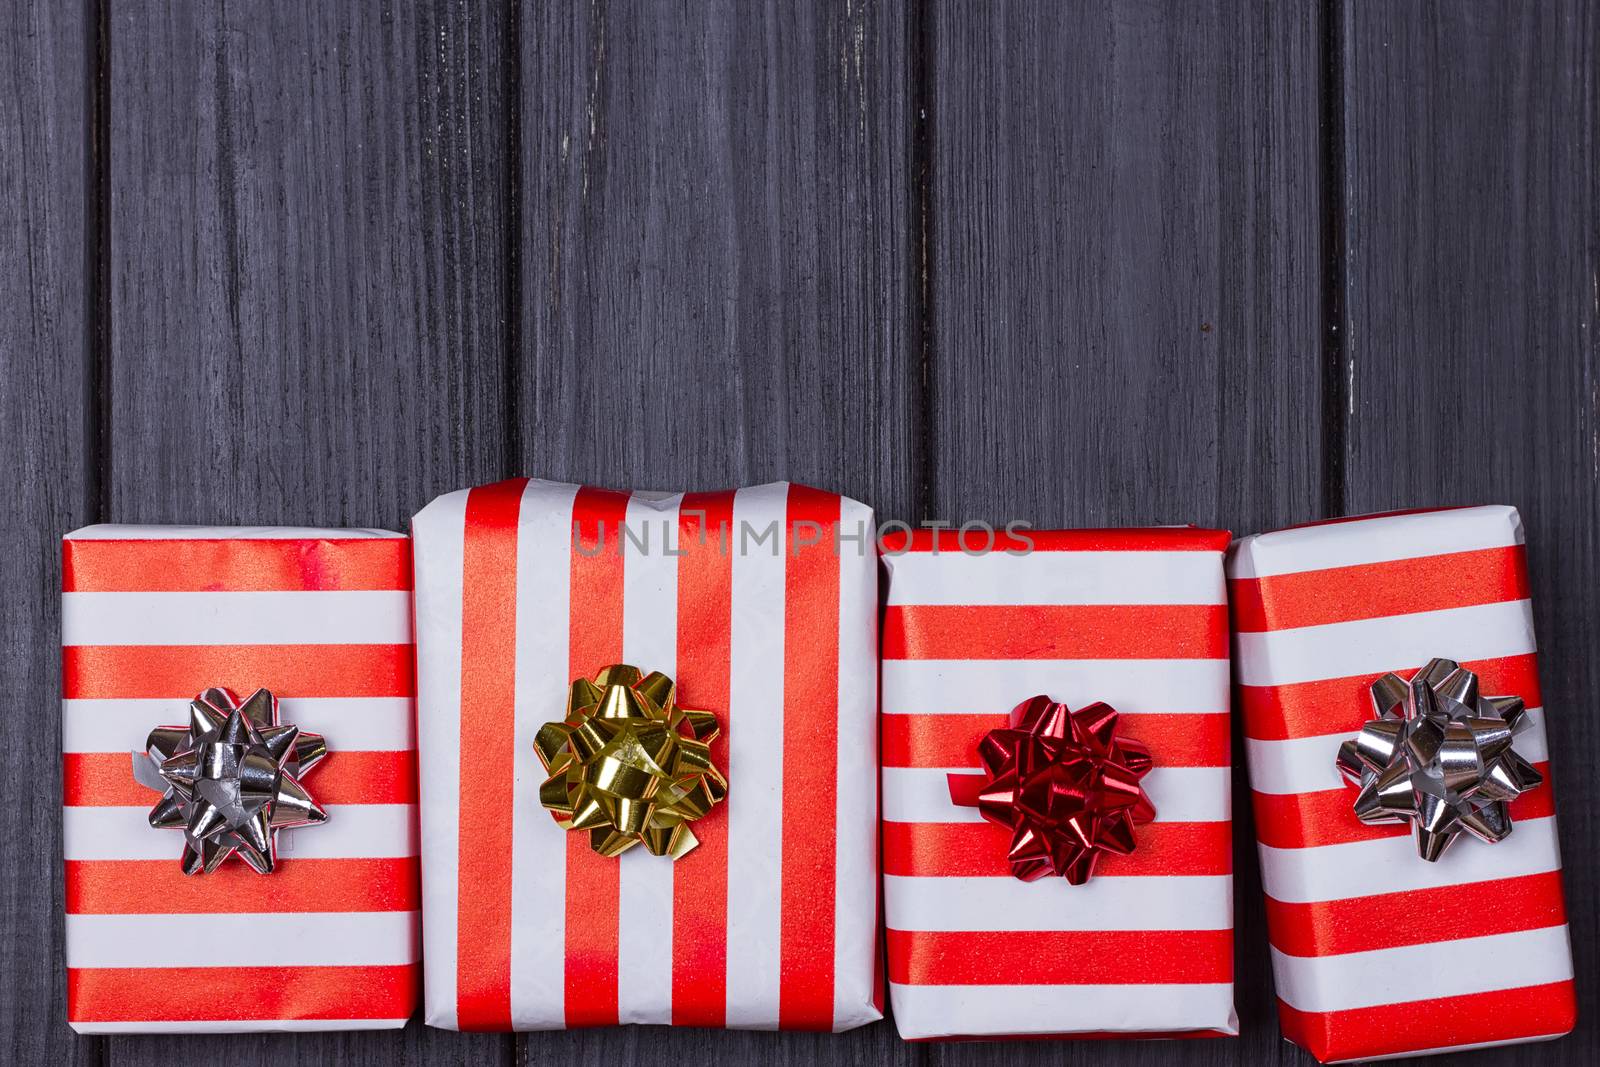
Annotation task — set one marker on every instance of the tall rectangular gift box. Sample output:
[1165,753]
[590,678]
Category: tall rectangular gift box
[1378,952]
[1133,621]
[761,605]
[154,617]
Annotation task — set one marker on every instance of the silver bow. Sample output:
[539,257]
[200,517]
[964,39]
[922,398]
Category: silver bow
[1439,755]
[232,779]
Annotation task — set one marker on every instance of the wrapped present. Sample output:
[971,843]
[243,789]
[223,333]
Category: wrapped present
[649,752]
[239,779]
[1395,740]
[1056,786]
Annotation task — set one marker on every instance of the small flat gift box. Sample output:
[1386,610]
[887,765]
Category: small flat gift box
[1377,952]
[153,617]
[1136,619]
[761,605]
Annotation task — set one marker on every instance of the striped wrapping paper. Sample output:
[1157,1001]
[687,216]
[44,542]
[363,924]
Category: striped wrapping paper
[1135,618]
[151,616]
[1377,953]
[744,600]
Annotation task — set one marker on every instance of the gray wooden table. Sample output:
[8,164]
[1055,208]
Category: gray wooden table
[1227,262]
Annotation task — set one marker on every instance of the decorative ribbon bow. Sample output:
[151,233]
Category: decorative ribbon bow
[629,765]
[232,779]
[1438,755]
[1063,783]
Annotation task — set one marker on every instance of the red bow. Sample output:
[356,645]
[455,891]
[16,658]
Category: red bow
[1063,783]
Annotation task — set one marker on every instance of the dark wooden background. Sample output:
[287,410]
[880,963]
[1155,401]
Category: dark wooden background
[1229,262]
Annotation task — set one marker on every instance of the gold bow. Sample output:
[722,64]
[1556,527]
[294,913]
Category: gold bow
[629,765]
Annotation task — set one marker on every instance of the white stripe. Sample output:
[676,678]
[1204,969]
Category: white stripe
[649,642]
[755,758]
[959,687]
[931,1011]
[1390,643]
[1306,764]
[1454,1048]
[1106,902]
[1376,540]
[121,532]
[1390,865]
[855,913]
[1056,578]
[341,617]
[351,724]
[353,831]
[1423,972]
[538,846]
[234,1026]
[438,534]
[267,939]
[1180,794]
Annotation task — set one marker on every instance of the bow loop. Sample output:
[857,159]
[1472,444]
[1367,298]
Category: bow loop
[628,765]
[1439,756]
[1065,785]
[232,779]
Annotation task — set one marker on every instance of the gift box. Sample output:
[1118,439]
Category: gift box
[156,621]
[1376,950]
[1127,630]
[758,608]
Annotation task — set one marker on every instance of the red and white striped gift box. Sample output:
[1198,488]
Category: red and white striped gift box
[153,615]
[1376,952]
[1136,618]
[761,614]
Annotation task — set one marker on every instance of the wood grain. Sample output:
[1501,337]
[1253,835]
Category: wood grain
[47,450]
[715,260]
[716,277]
[308,239]
[308,301]
[1074,263]
[1125,310]
[1471,163]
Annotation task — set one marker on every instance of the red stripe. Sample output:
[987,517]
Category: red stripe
[978,849]
[1061,957]
[488,692]
[217,994]
[700,879]
[105,779]
[143,887]
[1378,590]
[1308,820]
[1387,1030]
[810,750]
[1334,927]
[1056,631]
[595,641]
[134,672]
[1174,740]
[1148,539]
[235,565]
[1311,709]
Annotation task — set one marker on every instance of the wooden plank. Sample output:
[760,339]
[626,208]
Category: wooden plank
[1125,313]
[1470,188]
[308,236]
[715,277]
[46,382]
[715,260]
[308,241]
